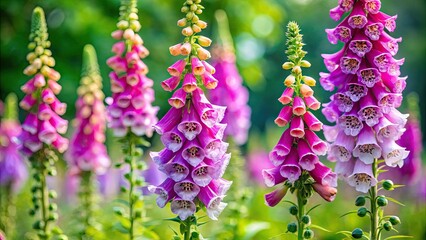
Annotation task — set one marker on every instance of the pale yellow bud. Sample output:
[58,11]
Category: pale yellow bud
[204,41]
[289,80]
[135,25]
[196,28]
[39,50]
[175,49]
[128,34]
[185,49]
[202,24]
[305,64]
[297,70]
[309,81]
[122,24]
[288,65]
[31,56]
[181,22]
[133,16]
[37,63]
[193,7]
[203,54]
[187,31]
[30,70]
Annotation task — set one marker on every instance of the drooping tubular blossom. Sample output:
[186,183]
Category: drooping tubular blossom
[130,108]
[13,171]
[230,89]
[194,156]
[43,123]
[87,150]
[369,90]
[297,151]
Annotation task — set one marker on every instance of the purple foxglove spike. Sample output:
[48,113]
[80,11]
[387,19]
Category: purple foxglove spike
[346,5]
[323,175]
[162,157]
[117,84]
[381,60]
[343,101]
[325,80]
[356,91]
[299,107]
[222,163]
[386,100]
[169,121]
[209,81]
[193,153]
[173,140]
[39,80]
[386,130]
[366,148]
[209,115]
[330,111]
[28,102]
[318,146]
[28,87]
[132,59]
[326,192]
[189,83]
[388,21]
[47,96]
[373,30]
[177,169]
[275,197]
[197,66]
[387,43]
[177,68]
[61,144]
[31,143]
[118,64]
[133,78]
[287,96]
[331,61]
[284,116]
[56,88]
[393,154]
[220,112]
[350,63]
[360,45]
[312,103]
[31,123]
[212,201]
[350,123]
[369,111]
[190,125]
[218,130]
[397,117]
[220,186]
[46,132]
[204,174]
[209,68]
[330,132]
[140,50]
[178,98]
[170,84]
[342,147]
[362,177]
[186,189]
[337,78]
[60,124]
[342,32]
[183,208]
[282,148]
[214,148]
[45,112]
[291,169]
[345,169]
[372,6]
[357,18]
[164,191]
[336,13]
[272,176]
[297,128]
[369,76]
[307,159]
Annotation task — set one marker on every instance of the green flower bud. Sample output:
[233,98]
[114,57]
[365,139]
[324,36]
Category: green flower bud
[292,227]
[306,220]
[387,226]
[138,214]
[288,65]
[357,233]
[119,211]
[305,64]
[32,212]
[360,201]
[362,211]
[388,185]
[293,210]
[394,220]
[38,225]
[53,207]
[195,235]
[53,217]
[296,70]
[53,194]
[123,189]
[176,238]
[62,237]
[308,234]
[382,201]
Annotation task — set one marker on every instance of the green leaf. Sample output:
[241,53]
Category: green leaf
[201,224]
[253,228]
[319,227]
[294,204]
[395,201]
[399,236]
[351,212]
[122,201]
[312,208]
[119,227]
[149,234]
[175,219]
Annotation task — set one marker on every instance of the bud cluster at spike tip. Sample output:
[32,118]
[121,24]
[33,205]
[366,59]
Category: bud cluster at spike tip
[298,148]
[87,150]
[43,124]
[130,107]
[367,78]
[194,158]
[13,171]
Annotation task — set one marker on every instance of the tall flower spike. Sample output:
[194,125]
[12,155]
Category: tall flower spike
[297,165]
[43,124]
[231,89]
[87,156]
[194,157]
[13,170]
[366,76]
[130,111]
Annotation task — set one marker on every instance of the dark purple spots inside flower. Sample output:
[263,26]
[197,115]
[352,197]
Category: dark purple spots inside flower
[370,115]
[344,102]
[184,204]
[369,76]
[390,24]
[343,34]
[357,21]
[367,148]
[360,47]
[201,171]
[186,186]
[373,31]
[193,152]
[175,138]
[361,178]
[346,5]
[343,152]
[373,6]
[382,61]
[356,91]
[179,168]
[394,154]
[351,124]
[349,65]
[190,126]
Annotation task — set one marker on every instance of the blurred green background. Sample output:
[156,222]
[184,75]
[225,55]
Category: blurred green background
[258,28]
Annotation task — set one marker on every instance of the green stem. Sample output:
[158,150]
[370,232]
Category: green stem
[374,216]
[301,212]
[44,199]
[187,234]
[86,199]
[131,188]
[7,210]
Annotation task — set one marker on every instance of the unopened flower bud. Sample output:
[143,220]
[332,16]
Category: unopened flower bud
[181,22]
[292,227]
[133,16]
[202,24]
[357,233]
[39,50]
[293,210]
[189,15]
[30,70]
[31,56]
[387,226]
[288,65]
[185,49]
[308,234]
[175,49]
[128,34]
[203,54]
[289,80]
[394,220]
[382,201]
[31,46]
[296,70]
[306,91]
[306,220]
[305,64]
[122,24]
[184,9]
[199,11]
[117,34]
[135,25]
[309,81]
[196,28]
[360,201]
[362,211]
[37,63]
[187,31]
[388,185]
[204,41]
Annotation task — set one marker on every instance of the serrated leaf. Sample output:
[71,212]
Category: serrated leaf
[399,236]
[253,228]
[395,201]
[312,208]
[351,212]
[319,227]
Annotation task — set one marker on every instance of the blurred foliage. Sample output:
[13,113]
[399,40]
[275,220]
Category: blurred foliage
[258,29]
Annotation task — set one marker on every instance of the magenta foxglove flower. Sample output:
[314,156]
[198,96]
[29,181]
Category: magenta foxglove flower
[194,157]
[13,170]
[130,108]
[257,161]
[367,79]
[87,150]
